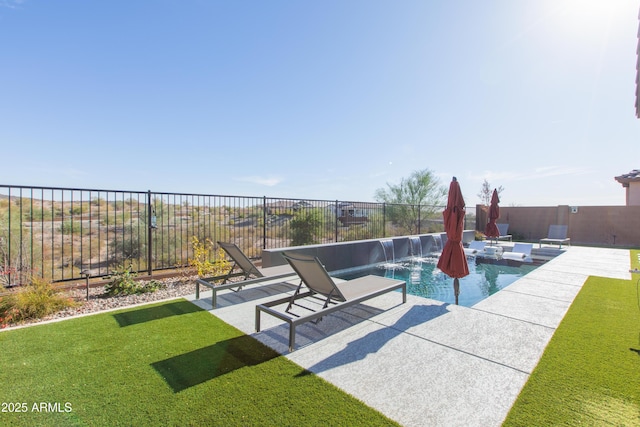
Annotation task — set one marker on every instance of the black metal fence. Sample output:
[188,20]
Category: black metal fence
[67,233]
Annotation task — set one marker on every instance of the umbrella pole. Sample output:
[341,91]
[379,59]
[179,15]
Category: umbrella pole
[456,288]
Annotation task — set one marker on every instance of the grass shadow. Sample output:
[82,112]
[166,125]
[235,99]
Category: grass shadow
[142,315]
[198,366]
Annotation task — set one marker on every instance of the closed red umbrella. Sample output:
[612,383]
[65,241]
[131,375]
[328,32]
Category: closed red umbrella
[491,230]
[453,261]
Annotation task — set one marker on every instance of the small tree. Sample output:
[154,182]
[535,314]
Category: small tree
[419,195]
[305,227]
[486,193]
[203,252]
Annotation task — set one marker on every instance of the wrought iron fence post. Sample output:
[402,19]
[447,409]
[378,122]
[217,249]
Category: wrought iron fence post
[7,264]
[384,219]
[419,219]
[264,222]
[335,211]
[149,234]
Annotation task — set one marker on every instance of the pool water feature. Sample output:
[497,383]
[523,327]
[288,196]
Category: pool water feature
[388,251]
[416,246]
[424,279]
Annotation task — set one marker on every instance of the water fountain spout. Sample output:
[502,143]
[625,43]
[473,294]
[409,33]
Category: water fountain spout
[416,246]
[387,249]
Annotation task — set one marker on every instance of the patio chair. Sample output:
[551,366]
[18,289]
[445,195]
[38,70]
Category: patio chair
[557,235]
[248,269]
[503,229]
[520,252]
[333,294]
[475,246]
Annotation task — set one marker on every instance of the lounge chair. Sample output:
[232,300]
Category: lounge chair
[557,235]
[475,246]
[503,229]
[248,269]
[520,252]
[334,294]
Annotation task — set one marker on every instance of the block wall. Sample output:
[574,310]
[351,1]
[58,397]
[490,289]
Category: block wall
[587,225]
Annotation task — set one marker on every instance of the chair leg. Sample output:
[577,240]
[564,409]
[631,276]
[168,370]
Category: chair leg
[228,274]
[326,304]
[293,297]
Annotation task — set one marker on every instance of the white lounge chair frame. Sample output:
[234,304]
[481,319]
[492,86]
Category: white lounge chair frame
[475,246]
[503,228]
[557,235]
[520,252]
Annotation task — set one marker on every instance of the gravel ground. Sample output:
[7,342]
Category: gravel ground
[98,301]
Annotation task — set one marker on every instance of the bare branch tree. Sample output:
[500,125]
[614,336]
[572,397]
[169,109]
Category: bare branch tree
[486,193]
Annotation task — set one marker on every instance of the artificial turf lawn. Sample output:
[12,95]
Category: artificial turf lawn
[161,364]
[589,373]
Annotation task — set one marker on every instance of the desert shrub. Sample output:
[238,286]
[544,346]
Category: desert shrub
[7,311]
[358,232]
[306,227]
[98,201]
[15,248]
[132,244]
[167,243]
[70,226]
[39,214]
[116,218]
[123,282]
[202,262]
[33,301]
[78,209]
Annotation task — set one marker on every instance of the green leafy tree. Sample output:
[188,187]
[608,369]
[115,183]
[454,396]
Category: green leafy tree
[418,196]
[305,226]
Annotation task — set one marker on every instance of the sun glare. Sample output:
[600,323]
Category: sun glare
[583,16]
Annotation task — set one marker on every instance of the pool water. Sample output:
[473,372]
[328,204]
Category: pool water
[424,279]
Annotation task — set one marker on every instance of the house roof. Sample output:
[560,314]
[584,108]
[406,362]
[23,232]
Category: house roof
[355,205]
[289,204]
[626,178]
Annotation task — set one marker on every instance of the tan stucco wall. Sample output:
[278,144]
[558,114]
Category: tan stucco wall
[590,225]
[633,194]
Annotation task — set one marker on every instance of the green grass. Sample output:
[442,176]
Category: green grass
[161,364]
[589,373]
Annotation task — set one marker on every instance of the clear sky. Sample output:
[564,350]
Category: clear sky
[321,99]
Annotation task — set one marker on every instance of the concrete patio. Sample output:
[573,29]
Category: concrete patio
[427,362]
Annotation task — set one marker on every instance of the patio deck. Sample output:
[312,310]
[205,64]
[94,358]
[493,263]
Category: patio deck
[427,362]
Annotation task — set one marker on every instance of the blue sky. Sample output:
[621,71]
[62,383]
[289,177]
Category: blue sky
[321,100]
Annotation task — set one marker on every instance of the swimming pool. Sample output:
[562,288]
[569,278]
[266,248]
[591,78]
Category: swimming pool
[424,279]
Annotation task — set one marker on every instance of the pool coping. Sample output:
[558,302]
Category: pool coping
[431,363]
